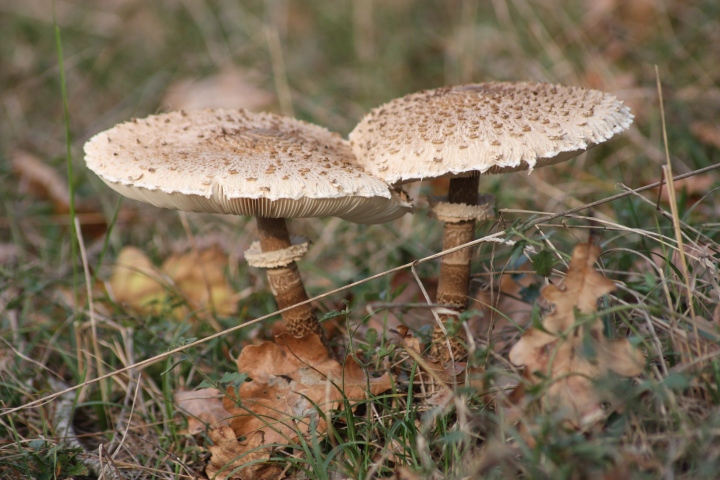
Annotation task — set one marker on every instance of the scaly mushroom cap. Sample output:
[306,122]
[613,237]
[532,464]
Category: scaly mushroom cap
[485,127]
[242,163]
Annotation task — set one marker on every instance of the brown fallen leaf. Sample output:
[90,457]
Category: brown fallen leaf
[233,460]
[39,180]
[572,356]
[404,473]
[9,253]
[204,407]
[694,187]
[291,380]
[43,181]
[135,280]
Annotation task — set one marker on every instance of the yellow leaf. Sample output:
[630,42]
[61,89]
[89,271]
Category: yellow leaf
[198,277]
[135,281]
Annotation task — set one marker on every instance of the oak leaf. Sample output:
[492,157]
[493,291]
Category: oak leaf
[571,351]
[203,407]
[293,381]
[234,460]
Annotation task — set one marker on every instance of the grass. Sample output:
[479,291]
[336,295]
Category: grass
[329,62]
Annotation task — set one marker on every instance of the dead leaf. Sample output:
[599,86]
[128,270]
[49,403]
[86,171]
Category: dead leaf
[9,253]
[636,20]
[404,473]
[408,340]
[199,277]
[204,407]
[571,356]
[43,181]
[233,460]
[291,380]
[135,280]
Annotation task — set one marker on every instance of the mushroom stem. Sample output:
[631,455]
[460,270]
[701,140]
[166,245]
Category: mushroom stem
[285,282]
[454,281]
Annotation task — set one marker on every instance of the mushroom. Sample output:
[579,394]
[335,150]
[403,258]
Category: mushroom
[464,131]
[242,163]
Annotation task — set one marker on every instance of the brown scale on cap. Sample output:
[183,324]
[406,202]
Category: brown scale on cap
[485,128]
[466,130]
[255,164]
[233,151]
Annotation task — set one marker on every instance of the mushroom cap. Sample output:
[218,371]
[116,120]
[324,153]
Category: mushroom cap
[242,163]
[492,127]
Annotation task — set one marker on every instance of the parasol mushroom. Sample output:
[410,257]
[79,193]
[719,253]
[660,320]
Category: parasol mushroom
[255,164]
[464,131]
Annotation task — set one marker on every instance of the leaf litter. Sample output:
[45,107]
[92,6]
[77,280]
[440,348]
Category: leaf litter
[569,350]
[294,387]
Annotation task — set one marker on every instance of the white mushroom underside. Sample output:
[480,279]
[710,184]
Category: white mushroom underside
[488,128]
[243,163]
[355,209]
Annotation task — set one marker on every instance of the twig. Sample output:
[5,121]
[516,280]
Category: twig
[103,453]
